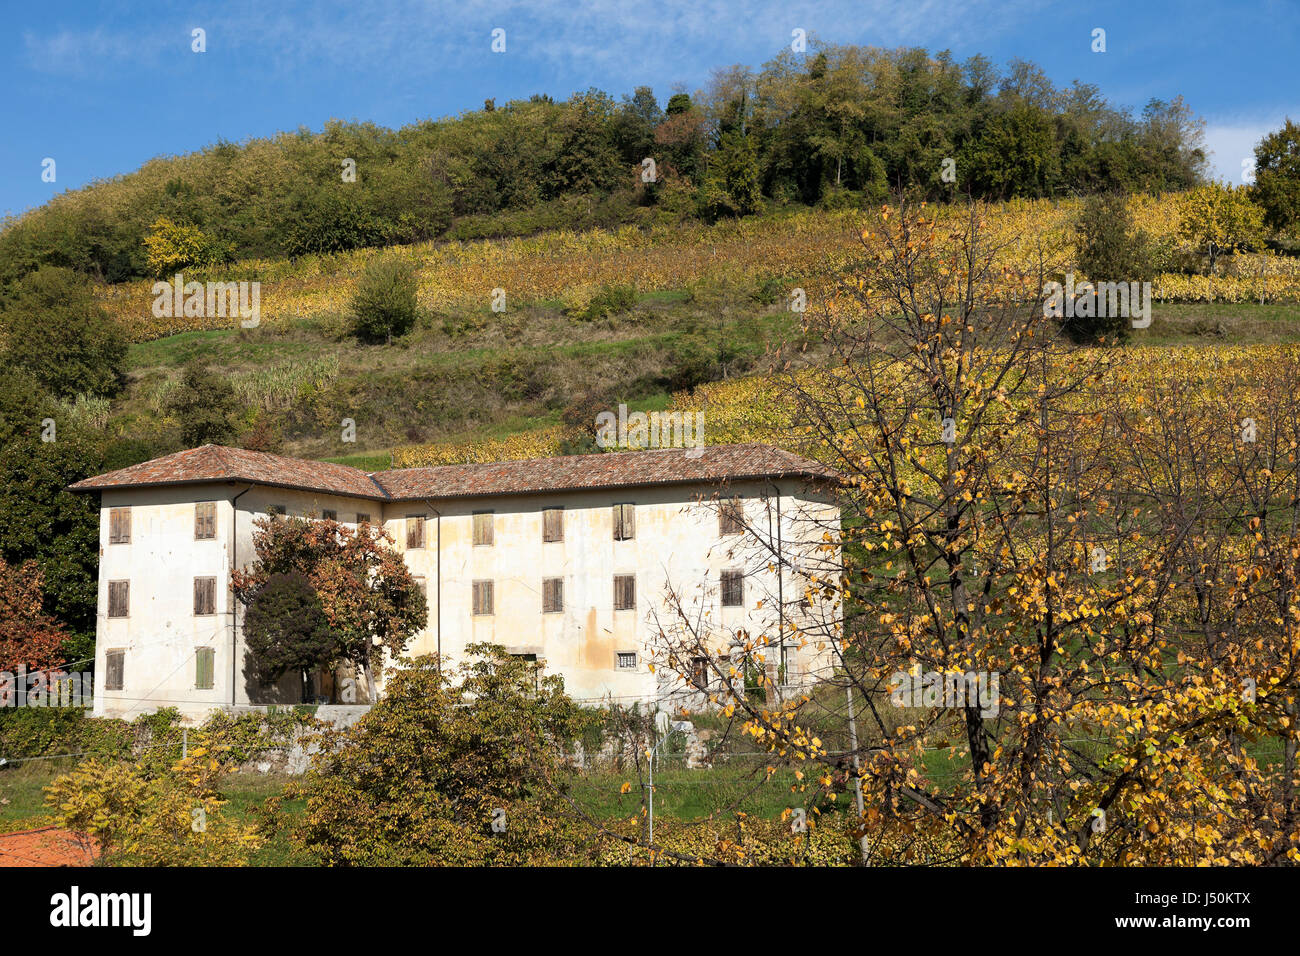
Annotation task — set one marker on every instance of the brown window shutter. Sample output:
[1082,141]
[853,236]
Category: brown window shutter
[119,526]
[119,598]
[552,595]
[115,665]
[205,520]
[624,592]
[731,516]
[553,524]
[483,529]
[483,597]
[733,588]
[414,531]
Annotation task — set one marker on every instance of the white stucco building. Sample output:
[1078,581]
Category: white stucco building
[598,566]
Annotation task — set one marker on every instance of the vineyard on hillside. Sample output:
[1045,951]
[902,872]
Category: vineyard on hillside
[809,249]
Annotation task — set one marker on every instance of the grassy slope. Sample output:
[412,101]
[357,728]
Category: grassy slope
[488,377]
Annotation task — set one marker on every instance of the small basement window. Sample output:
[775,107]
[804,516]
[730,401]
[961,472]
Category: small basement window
[626,660]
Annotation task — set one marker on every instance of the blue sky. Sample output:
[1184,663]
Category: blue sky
[101,87]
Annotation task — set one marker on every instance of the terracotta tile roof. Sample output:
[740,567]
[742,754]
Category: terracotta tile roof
[717,464]
[218,463]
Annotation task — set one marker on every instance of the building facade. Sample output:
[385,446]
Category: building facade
[606,569]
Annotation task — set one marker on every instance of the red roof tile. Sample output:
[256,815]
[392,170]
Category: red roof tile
[218,463]
[716,464]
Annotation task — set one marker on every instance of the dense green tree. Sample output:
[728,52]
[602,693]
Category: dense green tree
[287,631]
[204,406]
[55,330]
[41,520]
[1277,178]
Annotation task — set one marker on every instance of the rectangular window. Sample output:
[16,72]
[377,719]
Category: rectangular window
[553,524]
[483,529]
[423,585]
[552,595]
[624,522]
[414,532]
[363,518]
[329,514]
[482,597]
[276,510]
[626,660]
[204,669]
[731,516]
[205,596]
[119,598]
[114,662]
[119,526]
[733,588]
[624,592]
[700,672]
[205,521]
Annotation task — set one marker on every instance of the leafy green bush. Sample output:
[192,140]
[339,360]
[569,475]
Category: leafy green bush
[610,300]
[55,329]
[385,303]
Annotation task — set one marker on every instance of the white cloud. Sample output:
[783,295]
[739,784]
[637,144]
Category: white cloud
[1231,140]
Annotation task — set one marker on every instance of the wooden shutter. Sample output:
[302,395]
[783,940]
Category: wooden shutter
[552,595]
[624,592]
[624,522]
[731,516]
[205,520]
[204,659]
[553,524]
[733,588]
[482,597]
[119,526]
[414,531]
[119,598]
[115,665]
[483,528]
[205,596]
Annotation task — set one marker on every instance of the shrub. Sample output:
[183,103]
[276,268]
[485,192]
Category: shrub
[1110,249]
[1220,219]
[172,819]
[55,330]
[609,300]
[171,247]
[384,304]
[421,778]
[204,406]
